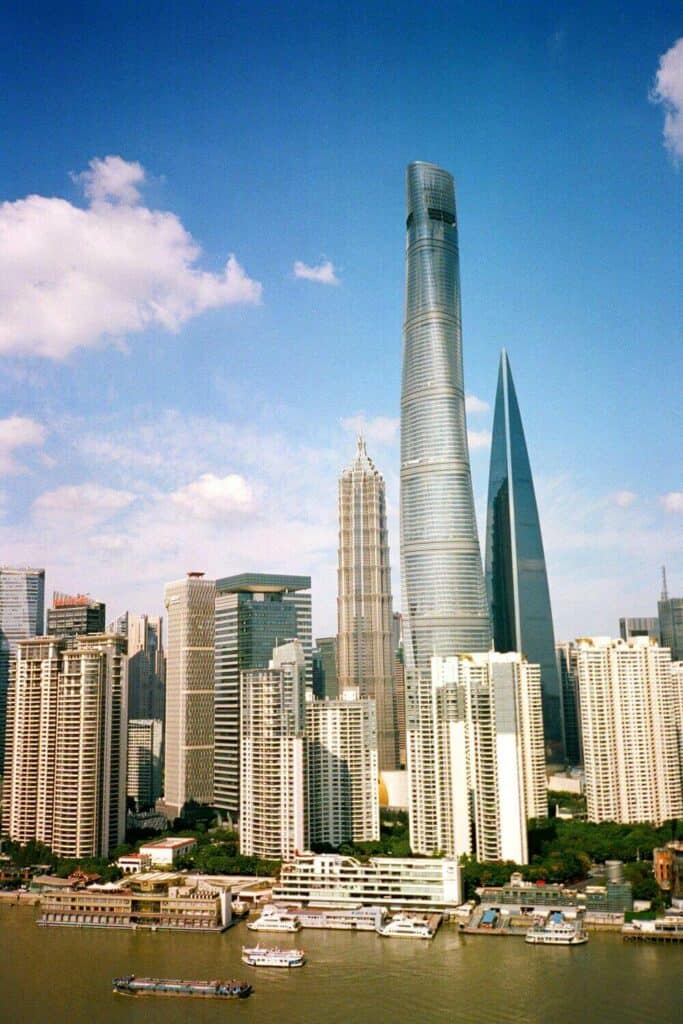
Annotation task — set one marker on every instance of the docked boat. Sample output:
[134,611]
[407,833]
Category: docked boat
[556,932]
[263,956]
[403,926]
[273,920]
[130,985]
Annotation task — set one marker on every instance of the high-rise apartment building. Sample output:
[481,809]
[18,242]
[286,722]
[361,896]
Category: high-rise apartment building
[677,680]
[633,627]
[670,611]
[144,761]
[364,606]
[569,688]
[628,705]
[516,577]
[65,780]
[22,603]
[342,770]
[255,612]
[146,667]
[475,757]
[445,609]
[325,683]
[74,615]
[273,805]
[188,732]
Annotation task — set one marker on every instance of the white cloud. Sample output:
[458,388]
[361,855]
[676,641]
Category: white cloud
[673,501]
[324,273]
[479,439]
[79,505]
[668,90]
[624,499]
[382,429]
[72,277]
[18,432]
[474,405]
[212,496]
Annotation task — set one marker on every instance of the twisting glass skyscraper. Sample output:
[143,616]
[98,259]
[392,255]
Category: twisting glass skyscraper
[516,578]
[444,598]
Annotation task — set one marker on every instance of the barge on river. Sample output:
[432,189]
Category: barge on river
[130,985]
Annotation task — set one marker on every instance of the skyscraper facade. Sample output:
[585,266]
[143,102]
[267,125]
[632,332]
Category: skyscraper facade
[144,761]
[629,717]
[22,614]
[73,615]
[364,606]
[342,770]
[444,599]
[255,612]
[65,782]
[632,627]
[326,684]
[516,578]
[671,621]
[569,688]
[188,732]
[146,667]
[273,804]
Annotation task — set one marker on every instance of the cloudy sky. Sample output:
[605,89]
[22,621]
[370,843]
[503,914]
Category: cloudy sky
[201,280]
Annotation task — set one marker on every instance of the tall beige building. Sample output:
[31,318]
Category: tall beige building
[476,763]
[273,805]
[146,667]
[364,607]
[189,729]
[343,796]
[65,762]
[629,707]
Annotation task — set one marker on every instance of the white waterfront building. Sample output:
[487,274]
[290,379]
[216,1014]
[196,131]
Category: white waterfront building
[629,706]
[397,883]
[476,765]
[342,770]
[273,811]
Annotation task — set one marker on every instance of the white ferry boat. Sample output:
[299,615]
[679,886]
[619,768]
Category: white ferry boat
[556,932]
[273,920]
[262,956]
[405,927]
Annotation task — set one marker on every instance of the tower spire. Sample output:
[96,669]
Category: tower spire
[665,592]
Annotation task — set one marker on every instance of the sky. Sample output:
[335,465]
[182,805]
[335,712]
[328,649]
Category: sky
[202,231]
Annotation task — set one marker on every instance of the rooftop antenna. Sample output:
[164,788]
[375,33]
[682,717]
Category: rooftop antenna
[665,592]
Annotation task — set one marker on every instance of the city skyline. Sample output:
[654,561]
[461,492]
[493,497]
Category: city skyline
[568,192]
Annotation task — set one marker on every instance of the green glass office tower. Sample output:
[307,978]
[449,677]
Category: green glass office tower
[444,598]
[516,578]
[255,612]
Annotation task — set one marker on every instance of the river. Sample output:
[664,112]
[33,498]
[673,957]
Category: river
[63,976]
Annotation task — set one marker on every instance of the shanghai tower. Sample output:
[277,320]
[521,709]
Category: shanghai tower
[444,597]
[516,578]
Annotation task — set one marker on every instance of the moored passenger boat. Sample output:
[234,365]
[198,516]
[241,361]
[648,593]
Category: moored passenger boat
[274,920]
[556,932]
[403,926]
[130,985]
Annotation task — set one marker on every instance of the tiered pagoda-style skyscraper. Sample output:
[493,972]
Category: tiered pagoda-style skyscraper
[516,578]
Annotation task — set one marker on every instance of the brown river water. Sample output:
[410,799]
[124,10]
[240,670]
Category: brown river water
[63,976]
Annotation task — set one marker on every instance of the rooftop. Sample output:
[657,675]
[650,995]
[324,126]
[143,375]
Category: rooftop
[262,583]
[170,843]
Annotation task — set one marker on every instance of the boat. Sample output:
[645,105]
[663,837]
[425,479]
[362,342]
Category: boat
[556,932]
[403,926]
[130,985]
[264,956]
[273,920]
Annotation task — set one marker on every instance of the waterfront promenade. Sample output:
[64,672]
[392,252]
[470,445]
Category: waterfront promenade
[64,976]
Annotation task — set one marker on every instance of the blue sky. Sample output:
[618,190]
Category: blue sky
[162,409]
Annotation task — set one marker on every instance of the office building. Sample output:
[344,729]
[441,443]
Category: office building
[188,731]
[325,669]
[74,615]
[119,625]
[364,607]
[670,611]
[254,613]
[22,603]
[633,627]
[569,689]
[628,707]
[145,772]
[273,819]
[516,577]
[65,782]
[342,771]
[445,610]
[398,883]
[476,768]
[146,666]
